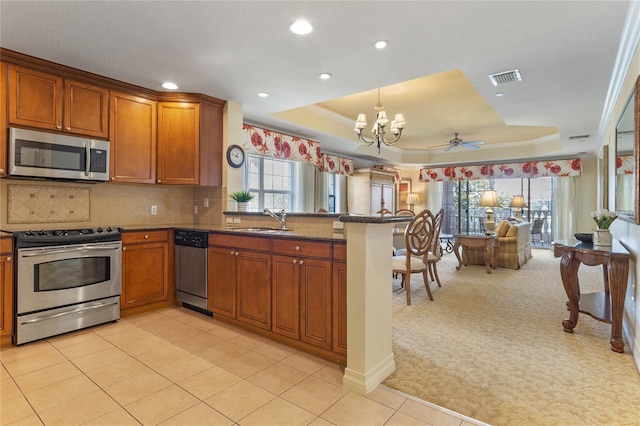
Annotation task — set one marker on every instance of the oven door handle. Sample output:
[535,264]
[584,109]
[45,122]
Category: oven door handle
[73,250]
[75,311]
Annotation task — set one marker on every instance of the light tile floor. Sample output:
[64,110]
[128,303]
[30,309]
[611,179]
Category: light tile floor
[178,367]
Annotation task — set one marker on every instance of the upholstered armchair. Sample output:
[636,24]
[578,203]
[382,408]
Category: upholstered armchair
[514,246]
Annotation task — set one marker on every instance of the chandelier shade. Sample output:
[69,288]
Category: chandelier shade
[378,128]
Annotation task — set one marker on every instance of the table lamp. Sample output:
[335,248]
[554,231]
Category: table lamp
[489,199]
[412,198]
[518,203]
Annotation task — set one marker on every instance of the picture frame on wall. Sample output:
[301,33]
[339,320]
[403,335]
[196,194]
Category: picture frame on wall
[404,188]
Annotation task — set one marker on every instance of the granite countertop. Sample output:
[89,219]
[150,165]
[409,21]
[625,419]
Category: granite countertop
[315,234]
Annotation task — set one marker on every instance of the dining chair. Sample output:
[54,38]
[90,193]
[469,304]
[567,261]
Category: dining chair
[435,254]
[418,237]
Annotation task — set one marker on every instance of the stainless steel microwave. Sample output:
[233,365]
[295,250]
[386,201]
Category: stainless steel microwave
[57,156]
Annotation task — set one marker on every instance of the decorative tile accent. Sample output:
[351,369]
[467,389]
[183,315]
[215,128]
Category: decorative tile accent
[38,204]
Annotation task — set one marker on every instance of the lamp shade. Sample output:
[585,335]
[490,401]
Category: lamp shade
[518,201]
[489,199]
[412,198]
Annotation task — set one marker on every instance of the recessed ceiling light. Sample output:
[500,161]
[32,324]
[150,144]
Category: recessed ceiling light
[301,27]
[169,85]
[325,76]
[381,44]
[263,94]
[499,94]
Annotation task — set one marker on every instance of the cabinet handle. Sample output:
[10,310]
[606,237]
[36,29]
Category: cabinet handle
[301,262]
[59,127]
[232,252]
[68,128]
[1,171]
[297,248]
[237,253]
[295,260]
[146,236]
[113,178]
[8,258]
[159,181]
[124,248]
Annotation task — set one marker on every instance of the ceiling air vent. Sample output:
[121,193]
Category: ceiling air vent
[505,77]
[578,137]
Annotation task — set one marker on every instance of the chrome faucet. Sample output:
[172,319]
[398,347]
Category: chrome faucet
[282,219]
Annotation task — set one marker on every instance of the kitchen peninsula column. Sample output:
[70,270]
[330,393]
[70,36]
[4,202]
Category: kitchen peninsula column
[369,250]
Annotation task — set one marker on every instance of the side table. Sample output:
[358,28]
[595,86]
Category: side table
[606,306]
[466,241]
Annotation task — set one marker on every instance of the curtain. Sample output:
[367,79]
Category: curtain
[529,169]
[566,201]
[433,196]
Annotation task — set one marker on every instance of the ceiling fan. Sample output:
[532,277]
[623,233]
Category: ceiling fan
[456,142]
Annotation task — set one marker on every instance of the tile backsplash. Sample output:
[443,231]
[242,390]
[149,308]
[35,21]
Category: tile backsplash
[49,204]
[42,204]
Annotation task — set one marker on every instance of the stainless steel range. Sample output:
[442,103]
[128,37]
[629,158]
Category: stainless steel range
[66,280]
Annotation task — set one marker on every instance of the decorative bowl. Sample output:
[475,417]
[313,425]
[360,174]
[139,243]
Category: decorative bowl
[584,237]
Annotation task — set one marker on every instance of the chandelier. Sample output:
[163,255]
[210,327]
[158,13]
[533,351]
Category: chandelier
[378,127]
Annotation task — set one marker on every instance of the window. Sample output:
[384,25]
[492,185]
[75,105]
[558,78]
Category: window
[271,181]
[331,191]
[461,198]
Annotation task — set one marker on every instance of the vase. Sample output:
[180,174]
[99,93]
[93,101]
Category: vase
[602,237]
[242,206]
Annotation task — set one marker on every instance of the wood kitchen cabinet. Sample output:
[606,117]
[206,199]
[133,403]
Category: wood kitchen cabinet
[133,127]
[190,142]
[301,293]
[340,298]
[4,148]
[6,286]
[145,268]
[49,102]
[239,278]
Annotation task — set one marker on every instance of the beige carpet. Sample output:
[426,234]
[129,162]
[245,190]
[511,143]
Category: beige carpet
[492,347]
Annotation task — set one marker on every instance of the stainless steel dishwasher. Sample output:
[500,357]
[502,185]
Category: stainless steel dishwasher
[191,269]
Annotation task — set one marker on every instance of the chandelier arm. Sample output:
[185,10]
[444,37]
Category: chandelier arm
[364,140]
[394,140]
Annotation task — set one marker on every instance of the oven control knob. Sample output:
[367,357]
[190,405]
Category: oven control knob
[29,233]
[42,232]
[109,229]
[99,229]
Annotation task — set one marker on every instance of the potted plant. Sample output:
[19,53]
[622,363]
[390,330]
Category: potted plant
[242,198]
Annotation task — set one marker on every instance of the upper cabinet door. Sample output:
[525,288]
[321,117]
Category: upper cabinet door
[35,98]
[133,139]
[86,109]
[3,119]
[179,143]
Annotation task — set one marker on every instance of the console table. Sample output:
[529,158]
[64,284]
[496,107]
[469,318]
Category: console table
[606,306]
[488,242]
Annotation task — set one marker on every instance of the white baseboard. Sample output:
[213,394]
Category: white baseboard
[365,383]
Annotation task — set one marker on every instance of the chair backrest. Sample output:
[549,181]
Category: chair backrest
[437,227]
[536,228]
[405,212]
[419,234]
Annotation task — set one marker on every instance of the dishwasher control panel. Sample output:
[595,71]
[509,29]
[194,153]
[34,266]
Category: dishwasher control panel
[190,238]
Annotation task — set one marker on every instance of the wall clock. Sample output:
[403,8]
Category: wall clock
[235,156]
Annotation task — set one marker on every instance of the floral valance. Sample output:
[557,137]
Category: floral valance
[278,145]
[624,165]
[554,168]
[336,165]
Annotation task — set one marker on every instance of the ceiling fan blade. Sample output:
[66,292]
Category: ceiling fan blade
[469,145]
[473,142]
[449,148]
